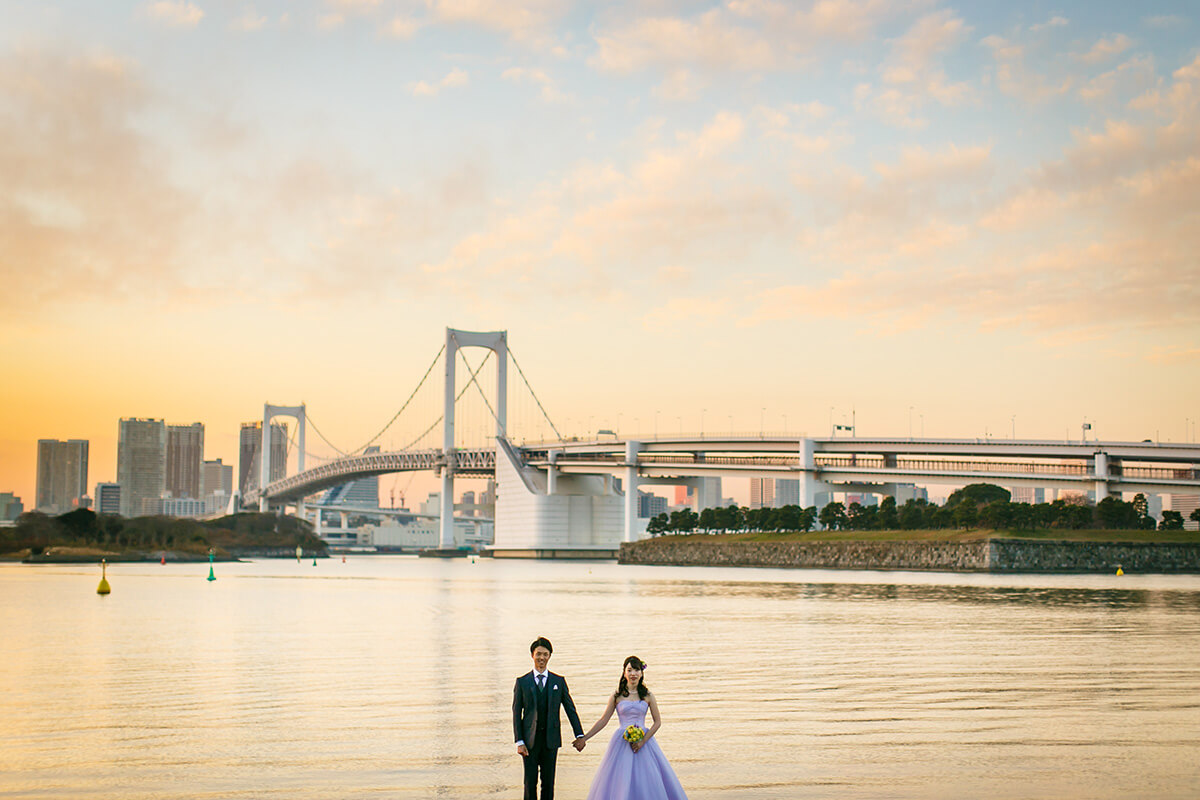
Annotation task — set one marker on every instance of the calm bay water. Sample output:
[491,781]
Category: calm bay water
[390,677]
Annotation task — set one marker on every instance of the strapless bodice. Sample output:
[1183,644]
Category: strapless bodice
[632,712]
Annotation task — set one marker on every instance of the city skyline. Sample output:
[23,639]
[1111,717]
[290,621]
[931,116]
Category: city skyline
[919,218]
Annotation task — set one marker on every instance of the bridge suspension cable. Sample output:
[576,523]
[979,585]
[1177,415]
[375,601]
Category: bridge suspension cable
[317,430]
[479,388]
[425,377]
[457,397]
[521,372]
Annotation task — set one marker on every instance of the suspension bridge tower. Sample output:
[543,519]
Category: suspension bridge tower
[497,342]
[269,413]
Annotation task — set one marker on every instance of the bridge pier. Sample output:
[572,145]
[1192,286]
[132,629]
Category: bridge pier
[810,485]
[1101,461]
[631,490]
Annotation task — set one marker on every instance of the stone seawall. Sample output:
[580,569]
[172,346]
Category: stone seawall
[995,555]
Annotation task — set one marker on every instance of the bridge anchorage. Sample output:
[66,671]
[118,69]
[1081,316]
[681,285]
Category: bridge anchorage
[578,497]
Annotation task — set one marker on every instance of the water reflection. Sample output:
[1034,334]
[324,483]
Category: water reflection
[393,678]
[1066,597]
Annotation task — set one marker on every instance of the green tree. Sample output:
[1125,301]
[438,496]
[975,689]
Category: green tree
[912,515]
[1116,514]
[808,518]
[889,518]
[657,525]
[1171,521]
[980,494]
[1195,515]
[966,512]
[997,515]
[833,516]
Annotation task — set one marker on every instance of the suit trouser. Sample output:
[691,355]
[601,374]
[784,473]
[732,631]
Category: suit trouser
[541,758]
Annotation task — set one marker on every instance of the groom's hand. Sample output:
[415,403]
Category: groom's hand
[580,743]
[522,749]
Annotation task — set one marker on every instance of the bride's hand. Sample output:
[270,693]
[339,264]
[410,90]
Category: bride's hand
[637,745]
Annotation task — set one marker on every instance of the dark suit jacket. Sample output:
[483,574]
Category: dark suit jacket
[525,714]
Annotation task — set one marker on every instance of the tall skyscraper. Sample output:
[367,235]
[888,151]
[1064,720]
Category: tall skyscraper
[762,492]
[249,464]
[650,505]
[787,492]
[62,469]
[683,495]
[141,465]
[107,499]
[185,459]
[218,477]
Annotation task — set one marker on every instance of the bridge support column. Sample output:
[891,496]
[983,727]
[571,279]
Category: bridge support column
[631,490]
[552,474]
[810,485]
[1101,476]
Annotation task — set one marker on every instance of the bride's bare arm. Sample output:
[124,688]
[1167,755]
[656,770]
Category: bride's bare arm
[653,715]
[600,723]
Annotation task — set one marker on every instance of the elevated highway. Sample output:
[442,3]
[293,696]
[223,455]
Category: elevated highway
[831,463]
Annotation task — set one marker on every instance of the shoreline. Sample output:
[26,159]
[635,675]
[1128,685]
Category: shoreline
[82,555]
[992,555]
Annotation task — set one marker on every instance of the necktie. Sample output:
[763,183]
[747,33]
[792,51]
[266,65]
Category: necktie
[541,682]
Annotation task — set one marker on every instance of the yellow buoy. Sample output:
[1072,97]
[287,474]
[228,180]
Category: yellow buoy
[1119,570]
[103,588]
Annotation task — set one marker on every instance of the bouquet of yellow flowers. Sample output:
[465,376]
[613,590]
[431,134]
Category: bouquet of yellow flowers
[634,734]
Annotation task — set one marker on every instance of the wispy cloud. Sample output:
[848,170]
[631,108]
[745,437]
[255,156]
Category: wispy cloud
[249,21]
[174,13]
[453,79]
[1106,49]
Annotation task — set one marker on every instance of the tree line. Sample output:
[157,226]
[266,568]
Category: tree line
[36,532]
[980,505]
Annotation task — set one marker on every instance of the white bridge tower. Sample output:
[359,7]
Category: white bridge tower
[497,342]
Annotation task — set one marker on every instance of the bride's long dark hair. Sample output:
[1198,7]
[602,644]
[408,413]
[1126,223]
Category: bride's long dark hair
[623,686]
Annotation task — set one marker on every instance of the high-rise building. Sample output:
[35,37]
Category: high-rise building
[1028,494]
[683,495]
[11,506]
[762,492]
[107,498]
[218,477]
[787,492]
[185,459]
[362,493]
[650,504]
[249,463]
[910,491]
[1185,504]
[62,469]
[141,465]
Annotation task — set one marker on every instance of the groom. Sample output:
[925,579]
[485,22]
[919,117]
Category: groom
[537,698]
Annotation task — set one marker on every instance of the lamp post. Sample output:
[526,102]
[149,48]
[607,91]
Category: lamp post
[702,421]
[762,416]
[910,410]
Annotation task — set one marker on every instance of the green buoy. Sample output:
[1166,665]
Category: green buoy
[211,553]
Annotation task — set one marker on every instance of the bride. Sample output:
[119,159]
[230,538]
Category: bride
[633,766]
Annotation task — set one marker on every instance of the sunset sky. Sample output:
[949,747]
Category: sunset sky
[961,219]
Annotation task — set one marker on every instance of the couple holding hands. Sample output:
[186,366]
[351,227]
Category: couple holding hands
[633,766]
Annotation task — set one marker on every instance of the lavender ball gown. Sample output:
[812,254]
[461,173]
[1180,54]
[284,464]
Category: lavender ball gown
[626,775]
